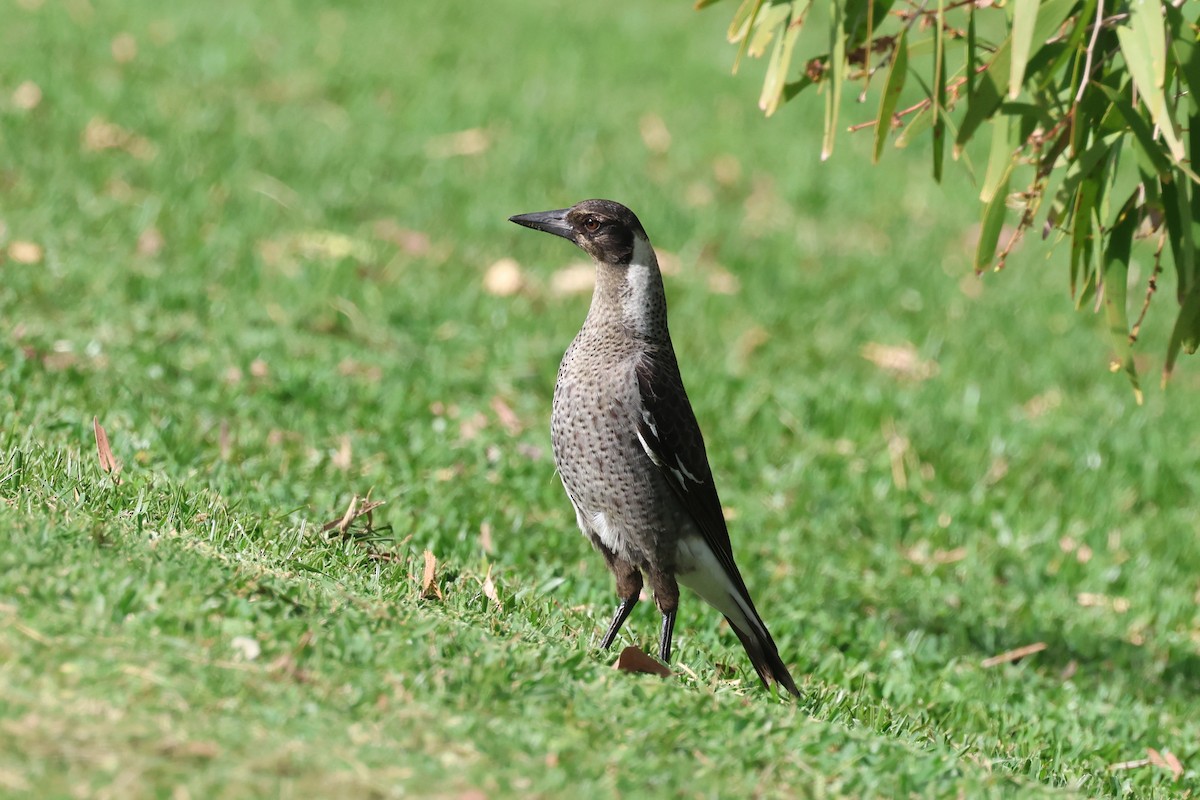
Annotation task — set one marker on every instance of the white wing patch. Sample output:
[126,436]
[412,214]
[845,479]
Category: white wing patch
[649,451]
[649,420]
[700,571]
[684,470]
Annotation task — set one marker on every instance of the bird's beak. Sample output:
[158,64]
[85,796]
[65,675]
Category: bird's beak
[549,221]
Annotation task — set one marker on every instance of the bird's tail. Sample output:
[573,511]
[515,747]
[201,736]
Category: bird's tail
[764,655]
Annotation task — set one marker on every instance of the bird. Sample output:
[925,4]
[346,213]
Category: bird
[627,445]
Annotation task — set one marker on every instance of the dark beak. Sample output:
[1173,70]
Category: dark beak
[549,221]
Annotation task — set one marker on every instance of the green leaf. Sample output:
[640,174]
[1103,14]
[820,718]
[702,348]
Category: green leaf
[837,71]
[1186,333]
[777,70]
[765,26]
[891,94]
[939,92]
[1000,157]
[1116,279]
[1025,13]
[1143,44]
[741,26]
[1053,73]
[1082,234]
[1187,56]
[1142,134]
[990,225]
[1082,167]
[1177,213]
[990,84]
[921,122]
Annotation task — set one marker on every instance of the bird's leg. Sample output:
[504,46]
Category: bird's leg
[664,642]
[666,597]
[626,605]
[629,589]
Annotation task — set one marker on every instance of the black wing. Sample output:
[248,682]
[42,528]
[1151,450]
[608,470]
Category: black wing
[671,437]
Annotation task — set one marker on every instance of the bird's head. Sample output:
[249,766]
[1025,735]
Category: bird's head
[607,231]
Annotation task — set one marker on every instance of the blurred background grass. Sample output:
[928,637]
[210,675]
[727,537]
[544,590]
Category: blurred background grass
[264,252]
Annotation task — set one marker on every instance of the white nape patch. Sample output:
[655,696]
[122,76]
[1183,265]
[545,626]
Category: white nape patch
[653,455]
[699,570]
[640,276]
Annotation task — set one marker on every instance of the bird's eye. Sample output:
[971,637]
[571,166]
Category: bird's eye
[591,224]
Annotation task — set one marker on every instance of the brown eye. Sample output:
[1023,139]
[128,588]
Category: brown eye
[591,224]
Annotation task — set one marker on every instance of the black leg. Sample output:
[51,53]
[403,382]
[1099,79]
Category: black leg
[664,642]
[619,618]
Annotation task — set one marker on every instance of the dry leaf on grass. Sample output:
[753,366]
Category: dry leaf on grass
[900,360]
[654,133]
[25,252]
[27,96]
[100,134]
[920,554]
[107,462]
[413,243]
[429,587]
[634,660]
[150,242]
[359,507]
[1013,655]
[508,418]
[503,278]
[124,48]
[577,278]
[489,588]
[1167,760]
[470,142]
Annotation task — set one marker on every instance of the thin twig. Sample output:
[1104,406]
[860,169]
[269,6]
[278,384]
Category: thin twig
[1087,64]
[1151,288]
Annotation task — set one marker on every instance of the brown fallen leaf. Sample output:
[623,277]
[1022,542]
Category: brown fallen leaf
[919,554]
[413,243]
[470,142]
[1167,760]
[903,361]
[124,48]
[27,96]
[100,134]
[485,538]
[634,660]
[343,457]
[150,242]
[655,134]
[359,507]
[25,252]
[489,588]
[429,587]
[508,418]
[503,278]
[107,462]
[1136,763]
[1013,655]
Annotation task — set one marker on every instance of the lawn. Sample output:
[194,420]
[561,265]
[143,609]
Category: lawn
[264,245]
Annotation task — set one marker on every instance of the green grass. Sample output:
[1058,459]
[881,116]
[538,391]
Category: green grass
[192,632]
